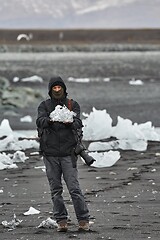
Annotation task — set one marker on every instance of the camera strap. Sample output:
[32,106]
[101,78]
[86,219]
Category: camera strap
[70,104]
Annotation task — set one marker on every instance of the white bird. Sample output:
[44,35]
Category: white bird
[27,37]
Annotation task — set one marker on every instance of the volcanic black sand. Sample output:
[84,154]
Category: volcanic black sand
[124,200]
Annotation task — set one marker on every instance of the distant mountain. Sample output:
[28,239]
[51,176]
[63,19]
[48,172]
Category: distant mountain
[54,14]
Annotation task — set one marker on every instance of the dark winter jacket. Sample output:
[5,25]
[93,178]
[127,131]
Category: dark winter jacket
[56,138]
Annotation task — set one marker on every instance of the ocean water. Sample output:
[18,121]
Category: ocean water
[94,65]
[94,79]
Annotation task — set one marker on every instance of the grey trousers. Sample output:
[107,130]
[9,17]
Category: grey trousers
[56,167]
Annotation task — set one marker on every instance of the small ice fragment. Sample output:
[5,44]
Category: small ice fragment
[34,153]
[6,179]
[31,211]
[33,78]
[98,177]
[48,223]
[112,173]
[132,168]
[91,222]
[157,154]
[136,82]
[19,156]
[15,79]
[26,119]
[106,79]
[13,223]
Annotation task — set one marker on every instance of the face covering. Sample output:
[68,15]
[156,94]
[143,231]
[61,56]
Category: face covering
[58,94]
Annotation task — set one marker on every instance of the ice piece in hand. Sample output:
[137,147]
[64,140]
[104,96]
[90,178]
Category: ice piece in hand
[62,114]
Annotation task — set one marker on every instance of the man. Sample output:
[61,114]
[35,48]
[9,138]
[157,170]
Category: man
[57,142]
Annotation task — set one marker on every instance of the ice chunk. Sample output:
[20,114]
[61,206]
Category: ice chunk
[31,211]
[19,156]
[125,144]
[12,143]
[80,80]
[33,78]
[6,162]
[62,114]
[48,223]
[13,223]
[149,131]
[5,128]
[105,159]
[98,125]
[126,130]
[136,82]
[26,119]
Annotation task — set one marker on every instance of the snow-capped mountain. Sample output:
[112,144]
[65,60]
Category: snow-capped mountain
[79,14]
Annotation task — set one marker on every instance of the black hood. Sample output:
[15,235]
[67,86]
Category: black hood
[56,81]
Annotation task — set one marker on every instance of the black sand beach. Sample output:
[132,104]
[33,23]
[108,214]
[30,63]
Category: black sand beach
[123,199]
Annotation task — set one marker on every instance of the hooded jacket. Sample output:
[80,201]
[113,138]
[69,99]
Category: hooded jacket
[57,139]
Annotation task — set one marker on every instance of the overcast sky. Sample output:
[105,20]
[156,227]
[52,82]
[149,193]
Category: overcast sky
[79,13]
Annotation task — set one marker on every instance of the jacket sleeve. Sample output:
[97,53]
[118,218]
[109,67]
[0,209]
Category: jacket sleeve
[77,123]
[43,120]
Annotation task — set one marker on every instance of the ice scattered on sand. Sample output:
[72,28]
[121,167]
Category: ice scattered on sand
[43,168]
[132,168]
[26,119]
[34,153]
[48,223]
[13,143]
[106,79]
[8,161]
[62,114]
[10,140]
[80,80]
[6,179]
[13,223]
[5,128]
[105,159]
[129,136]
[125,129]
[15,79]
[97,125]
[33,78]
[137,145]
[31,211]
[19,156]
[157,154]
[136,82]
